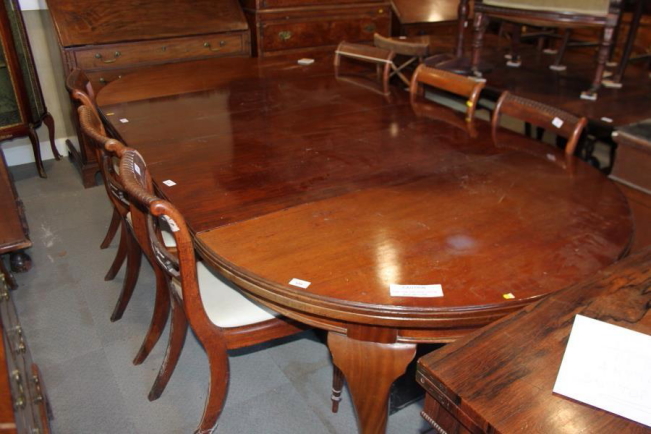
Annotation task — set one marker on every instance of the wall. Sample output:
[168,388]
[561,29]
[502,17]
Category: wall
[50,71]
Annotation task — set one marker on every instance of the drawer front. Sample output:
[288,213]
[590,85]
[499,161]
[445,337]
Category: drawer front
[161,51]
[101,78]
[320,31]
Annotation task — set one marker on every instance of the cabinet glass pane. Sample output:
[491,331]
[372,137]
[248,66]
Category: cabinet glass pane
[9,114]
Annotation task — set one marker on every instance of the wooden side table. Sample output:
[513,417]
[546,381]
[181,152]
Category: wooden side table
[499,379]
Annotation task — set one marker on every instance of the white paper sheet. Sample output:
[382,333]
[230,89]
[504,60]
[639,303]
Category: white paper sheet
[608,367]
[415,290]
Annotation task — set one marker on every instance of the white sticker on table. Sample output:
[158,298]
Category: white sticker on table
[300,283]
[557,122]
[415,290]
[124,120]
[169,183]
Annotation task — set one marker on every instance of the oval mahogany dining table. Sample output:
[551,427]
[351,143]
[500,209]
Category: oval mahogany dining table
[285,172]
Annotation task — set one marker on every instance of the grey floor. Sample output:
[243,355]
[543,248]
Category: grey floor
[64,306]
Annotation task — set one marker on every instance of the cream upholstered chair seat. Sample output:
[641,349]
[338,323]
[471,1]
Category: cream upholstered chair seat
[586,7]
[225,305]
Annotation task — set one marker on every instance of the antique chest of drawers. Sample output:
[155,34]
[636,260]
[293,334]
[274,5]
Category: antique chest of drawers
[24,408]
[302,26]
[110,39]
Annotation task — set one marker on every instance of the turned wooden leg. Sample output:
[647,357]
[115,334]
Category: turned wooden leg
[480,25]
[134,257]
[37,151]
[219,376]
[604,49]
[556,66]
[462,14]
[178,331]
[19,261]
[113,228]
[158,318]
[48,120]
[516,33]
[337,387]
[370,368]
[120,255]
[9,278]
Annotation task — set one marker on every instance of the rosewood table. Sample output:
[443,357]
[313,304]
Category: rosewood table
[500,379]
[283,172]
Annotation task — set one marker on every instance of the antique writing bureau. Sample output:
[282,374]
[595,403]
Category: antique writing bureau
[109,39]
[301,26]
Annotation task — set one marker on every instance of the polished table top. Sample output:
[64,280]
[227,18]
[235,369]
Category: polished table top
[283,172]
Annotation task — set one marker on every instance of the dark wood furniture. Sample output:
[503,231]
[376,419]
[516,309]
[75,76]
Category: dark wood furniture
[578,14]
[500,379]
[303,27]
[24,407]
[22,108]
[633,159]
[220,315]
[282,172]
[109,39]
[14,233]
[631,171]
[560,122]
[424,17]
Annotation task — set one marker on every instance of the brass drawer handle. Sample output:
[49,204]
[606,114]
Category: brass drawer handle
[208,46]
[285,36]
[115,55]
[370,28]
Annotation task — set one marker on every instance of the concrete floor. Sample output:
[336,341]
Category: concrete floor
[64,306]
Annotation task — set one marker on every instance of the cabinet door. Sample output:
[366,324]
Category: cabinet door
[10,114]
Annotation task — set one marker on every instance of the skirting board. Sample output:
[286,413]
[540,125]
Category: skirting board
[21,153]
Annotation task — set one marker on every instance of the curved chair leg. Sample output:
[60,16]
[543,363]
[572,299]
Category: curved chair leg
[134,257]
[602,57]
[36,146]
[178,331]
[119,256]
[337,387]
[219,376]
[158,318]
[48,120]
[113,228]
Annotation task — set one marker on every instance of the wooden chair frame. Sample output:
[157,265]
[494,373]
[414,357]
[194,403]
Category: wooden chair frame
[414,51]
[82,93]
[106,151]
[483,13]
[450,82]
[381,58]
[147,209]
[564,124]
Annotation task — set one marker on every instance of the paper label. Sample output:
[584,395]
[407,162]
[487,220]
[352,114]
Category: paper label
[508,296]
[300,283]
[415,290]
[551,157]
[607,366]
[137,169]
[608,120]
[557,122]
[124,120]
[305,61]
[169,183]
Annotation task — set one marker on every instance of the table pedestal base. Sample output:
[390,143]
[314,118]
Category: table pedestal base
[370,368]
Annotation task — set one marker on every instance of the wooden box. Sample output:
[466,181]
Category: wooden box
[110,39]
[301,27]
